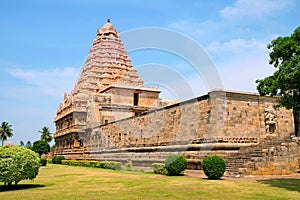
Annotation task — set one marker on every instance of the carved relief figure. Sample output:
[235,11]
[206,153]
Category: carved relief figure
[270,119]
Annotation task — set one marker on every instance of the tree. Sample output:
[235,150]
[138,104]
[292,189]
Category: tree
[40,147]
[21,143]
[17,163]
[28,144]
[46,134]
[5,131]
[285,82]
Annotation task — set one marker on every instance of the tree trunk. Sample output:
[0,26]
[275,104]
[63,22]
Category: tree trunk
[297,124]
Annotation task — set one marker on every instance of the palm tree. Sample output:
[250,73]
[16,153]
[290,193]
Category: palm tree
[5,131]
[46,134]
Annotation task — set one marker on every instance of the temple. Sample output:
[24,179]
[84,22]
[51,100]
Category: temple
[108,89]
[111,115]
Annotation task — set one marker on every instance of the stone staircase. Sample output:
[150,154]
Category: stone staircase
[272,155]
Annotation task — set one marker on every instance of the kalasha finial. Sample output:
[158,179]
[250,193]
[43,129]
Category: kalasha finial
[108,20]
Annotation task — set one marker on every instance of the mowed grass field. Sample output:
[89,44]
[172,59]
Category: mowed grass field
[68,182]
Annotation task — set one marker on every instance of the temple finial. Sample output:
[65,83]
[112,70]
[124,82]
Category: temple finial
[108,20]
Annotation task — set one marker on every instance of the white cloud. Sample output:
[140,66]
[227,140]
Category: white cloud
[236,45]
[244,18]
[52,82]
[240,62]
[237,49]
[191,26]
[253,8]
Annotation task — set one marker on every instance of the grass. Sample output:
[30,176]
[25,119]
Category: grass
[68,182]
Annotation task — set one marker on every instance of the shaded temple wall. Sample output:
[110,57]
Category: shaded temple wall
[222,115]
[242,127]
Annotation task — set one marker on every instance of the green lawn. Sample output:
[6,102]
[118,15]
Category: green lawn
[68,182]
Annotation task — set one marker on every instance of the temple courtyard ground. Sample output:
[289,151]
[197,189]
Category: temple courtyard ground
[68,182]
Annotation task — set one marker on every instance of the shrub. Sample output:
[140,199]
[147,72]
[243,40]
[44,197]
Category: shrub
[49,160]
[66,162]
[43,161]
[93,163]
[213,167]
[128,166]
[175,164]
[159,168]
[40,147]
[84,163]
[111,165]
[57,159]
[18,163]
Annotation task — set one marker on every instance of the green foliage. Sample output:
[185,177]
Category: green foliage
[84,163]
[175,164]
[57,159]
[49,160]
[41,147]
[285,82]
[43,161]
[128,166]
[17,163]
[93,163]
[213,167]
[159,168]
[5,131]
[112,165]
[28,145]
[52,148]
[21,143]
[46,134]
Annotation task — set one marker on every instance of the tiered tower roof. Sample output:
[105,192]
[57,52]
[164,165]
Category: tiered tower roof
[106,64]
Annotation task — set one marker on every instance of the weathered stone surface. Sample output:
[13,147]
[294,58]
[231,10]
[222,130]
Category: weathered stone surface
[105,89]
[111,115]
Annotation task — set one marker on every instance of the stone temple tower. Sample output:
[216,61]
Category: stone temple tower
[108,89]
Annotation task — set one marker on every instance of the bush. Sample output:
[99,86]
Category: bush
[159,168]
[175,164]
[43,161]
[213,167]
[57,159]
[18,163]
[128,166]
[40,147]
[84,163]
[93,163]
[112,165]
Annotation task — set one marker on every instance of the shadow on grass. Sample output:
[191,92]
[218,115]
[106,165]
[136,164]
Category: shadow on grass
[288,184]
[4,188]
[208,179]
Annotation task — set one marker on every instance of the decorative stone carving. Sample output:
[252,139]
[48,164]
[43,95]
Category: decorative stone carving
[270,119]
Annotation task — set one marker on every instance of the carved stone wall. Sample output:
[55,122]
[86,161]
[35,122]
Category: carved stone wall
[111,115]
[104,91]
[217,115]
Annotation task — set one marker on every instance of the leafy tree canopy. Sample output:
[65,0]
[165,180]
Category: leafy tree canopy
[5,131]
[45,134]
[40,147]
[17,163]
[285,82]
[28,144]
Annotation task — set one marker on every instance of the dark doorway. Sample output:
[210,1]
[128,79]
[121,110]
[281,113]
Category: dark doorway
[135,99]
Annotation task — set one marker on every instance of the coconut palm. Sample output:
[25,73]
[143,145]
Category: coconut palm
[46,134]
[5,131]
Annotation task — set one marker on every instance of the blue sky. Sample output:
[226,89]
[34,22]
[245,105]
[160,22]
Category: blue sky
[44,44]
